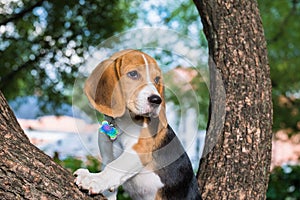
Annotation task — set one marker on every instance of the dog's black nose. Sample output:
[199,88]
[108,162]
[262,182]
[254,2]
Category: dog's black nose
[154,99]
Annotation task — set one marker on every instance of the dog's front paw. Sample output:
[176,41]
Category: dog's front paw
[89,181]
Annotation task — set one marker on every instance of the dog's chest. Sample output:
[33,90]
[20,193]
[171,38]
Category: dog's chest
[143,186]
[129,136]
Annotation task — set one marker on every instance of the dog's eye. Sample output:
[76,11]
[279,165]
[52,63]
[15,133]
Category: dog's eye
[157,79]
[133,74]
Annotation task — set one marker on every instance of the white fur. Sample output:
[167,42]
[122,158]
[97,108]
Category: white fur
[147,69]
[123,168]
[142,103]
[146,183]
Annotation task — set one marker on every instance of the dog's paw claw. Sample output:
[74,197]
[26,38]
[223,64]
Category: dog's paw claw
[112,189]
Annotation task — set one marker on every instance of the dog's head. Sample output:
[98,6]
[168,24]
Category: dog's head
[129,80]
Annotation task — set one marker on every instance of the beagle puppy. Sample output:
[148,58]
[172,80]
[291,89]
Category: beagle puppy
[145,156]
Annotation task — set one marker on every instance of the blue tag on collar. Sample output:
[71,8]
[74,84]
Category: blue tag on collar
[109,130]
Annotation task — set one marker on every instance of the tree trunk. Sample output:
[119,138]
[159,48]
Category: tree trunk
[25,171]
[237,153]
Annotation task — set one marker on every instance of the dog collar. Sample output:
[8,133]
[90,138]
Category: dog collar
[109,130]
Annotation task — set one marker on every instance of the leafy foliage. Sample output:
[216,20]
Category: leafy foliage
[280,19]
[284,183]
[42,43]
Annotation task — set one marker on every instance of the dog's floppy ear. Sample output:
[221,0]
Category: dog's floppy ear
[103,87]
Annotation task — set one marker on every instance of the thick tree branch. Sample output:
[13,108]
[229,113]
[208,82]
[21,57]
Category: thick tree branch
[236,158]
[25,171]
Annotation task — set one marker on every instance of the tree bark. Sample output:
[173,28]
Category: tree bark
[25,171]
[237,152]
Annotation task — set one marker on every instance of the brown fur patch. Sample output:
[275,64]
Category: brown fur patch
[149,140]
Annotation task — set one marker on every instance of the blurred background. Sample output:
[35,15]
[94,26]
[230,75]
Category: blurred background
[47,49]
